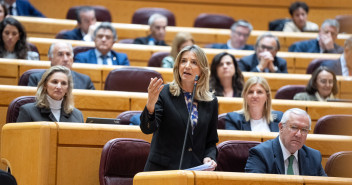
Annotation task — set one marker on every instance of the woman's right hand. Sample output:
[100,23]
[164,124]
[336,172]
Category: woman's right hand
[154,89]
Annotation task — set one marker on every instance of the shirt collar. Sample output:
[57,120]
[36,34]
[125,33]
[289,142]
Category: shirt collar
[98,54]
[286,153]
[229,45]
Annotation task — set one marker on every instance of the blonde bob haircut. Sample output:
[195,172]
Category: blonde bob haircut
[179,39]
[202,91]
[267,106]
[41,99]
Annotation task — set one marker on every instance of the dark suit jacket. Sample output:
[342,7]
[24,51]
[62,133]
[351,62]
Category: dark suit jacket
[80,81]
[236,121]
[312,46]
[168,125]
[334,65]
[145,40]
[30,113]
[249,63]
[224,46]
[74,34]
[90,58]
[25,8]
[267,157]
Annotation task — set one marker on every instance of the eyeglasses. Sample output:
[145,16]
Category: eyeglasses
[241,34]
[269,48]
[295,129]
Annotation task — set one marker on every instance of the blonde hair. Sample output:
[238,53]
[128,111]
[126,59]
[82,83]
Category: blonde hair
[267,106]
[202,91]
[179,39]
[41,100]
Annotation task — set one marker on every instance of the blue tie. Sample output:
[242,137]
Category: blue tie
[105,59]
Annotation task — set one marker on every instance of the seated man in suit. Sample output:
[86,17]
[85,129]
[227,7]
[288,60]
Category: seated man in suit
[325,43]
[287,154]
[157,26]
[61,53]
[104,37]
[264,59]
[22,8]
[85,18]
[240,32]
[342,66]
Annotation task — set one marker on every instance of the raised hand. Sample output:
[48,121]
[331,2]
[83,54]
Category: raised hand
[154,89]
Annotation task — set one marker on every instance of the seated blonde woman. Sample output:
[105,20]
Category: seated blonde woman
[54,99]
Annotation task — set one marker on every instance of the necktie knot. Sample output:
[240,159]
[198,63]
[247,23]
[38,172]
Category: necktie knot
[105,59]
[290,165]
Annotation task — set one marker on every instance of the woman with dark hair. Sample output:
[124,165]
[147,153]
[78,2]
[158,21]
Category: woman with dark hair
[13,43]
[299,13]
[321,86]
[54,99]
[225,77]
[3,11]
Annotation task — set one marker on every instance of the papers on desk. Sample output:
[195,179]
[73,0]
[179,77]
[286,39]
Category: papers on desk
[203,167]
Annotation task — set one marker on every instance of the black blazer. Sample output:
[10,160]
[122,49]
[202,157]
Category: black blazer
[80,81]
[30,113]
[249,64]
[267,157]
[237,121]
[168,125]
[74,34]
[145,40]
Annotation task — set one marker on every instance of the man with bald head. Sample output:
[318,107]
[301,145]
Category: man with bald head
[61,53]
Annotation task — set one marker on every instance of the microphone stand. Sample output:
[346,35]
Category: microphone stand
[188,122]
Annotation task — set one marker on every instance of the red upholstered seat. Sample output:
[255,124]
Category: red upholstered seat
[130,79]
[141,16]
[121,159]
[101,13]
[14,107]
[206,20]
[339,164]
[126,116]
[24,79]
[287,92]
[233,155]
[221,121]
[334,124]
[313,65]
[345,22]
[156,59]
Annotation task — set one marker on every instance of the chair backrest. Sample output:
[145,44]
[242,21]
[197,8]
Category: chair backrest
[79,49]
[24,79]
[121,159]
[221,121]
[278,24]
[141,16]
[287,92]
[7,178]
[334,124]
[101,13]
[339,164]
[314,64]
[345,22]
[125,117]
[233,155]
[206,20]
[14,107]
[156,59]
[60,35]
[130,79]
[33,47]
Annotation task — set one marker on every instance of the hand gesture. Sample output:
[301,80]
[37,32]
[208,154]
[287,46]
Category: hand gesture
[326,41]
[265,58]
[212,165]
[154,89]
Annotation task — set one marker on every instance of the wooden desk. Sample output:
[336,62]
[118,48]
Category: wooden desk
[48,28]
[42,153]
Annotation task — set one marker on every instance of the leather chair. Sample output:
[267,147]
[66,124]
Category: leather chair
[32,47]
[14,107]
[206,20]
[156,59]
[314,64]
[130,79]
[24,79]
[339,164]
[60,34]
[287,92]
[141,16]
[221,121]
[126,116]
[345,22]
[278,24]
[233,155]
[334,125]
[121,159]
[7,178]
[79,49]
[101,13]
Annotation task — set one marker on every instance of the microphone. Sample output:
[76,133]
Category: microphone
[189,121]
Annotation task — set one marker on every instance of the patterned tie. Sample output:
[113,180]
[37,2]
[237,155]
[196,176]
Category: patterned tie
[192,108]
[105,59]
[290,163]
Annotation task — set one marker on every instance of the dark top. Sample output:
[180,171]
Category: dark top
[312,46]
[89,57]
[267,157]
[249,64]
[237,121]
[145,40]
[80,81]
[74,34]
[30,113]
[168,125]
[224,46]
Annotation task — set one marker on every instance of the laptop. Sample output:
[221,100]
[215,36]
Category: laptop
[103,120]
